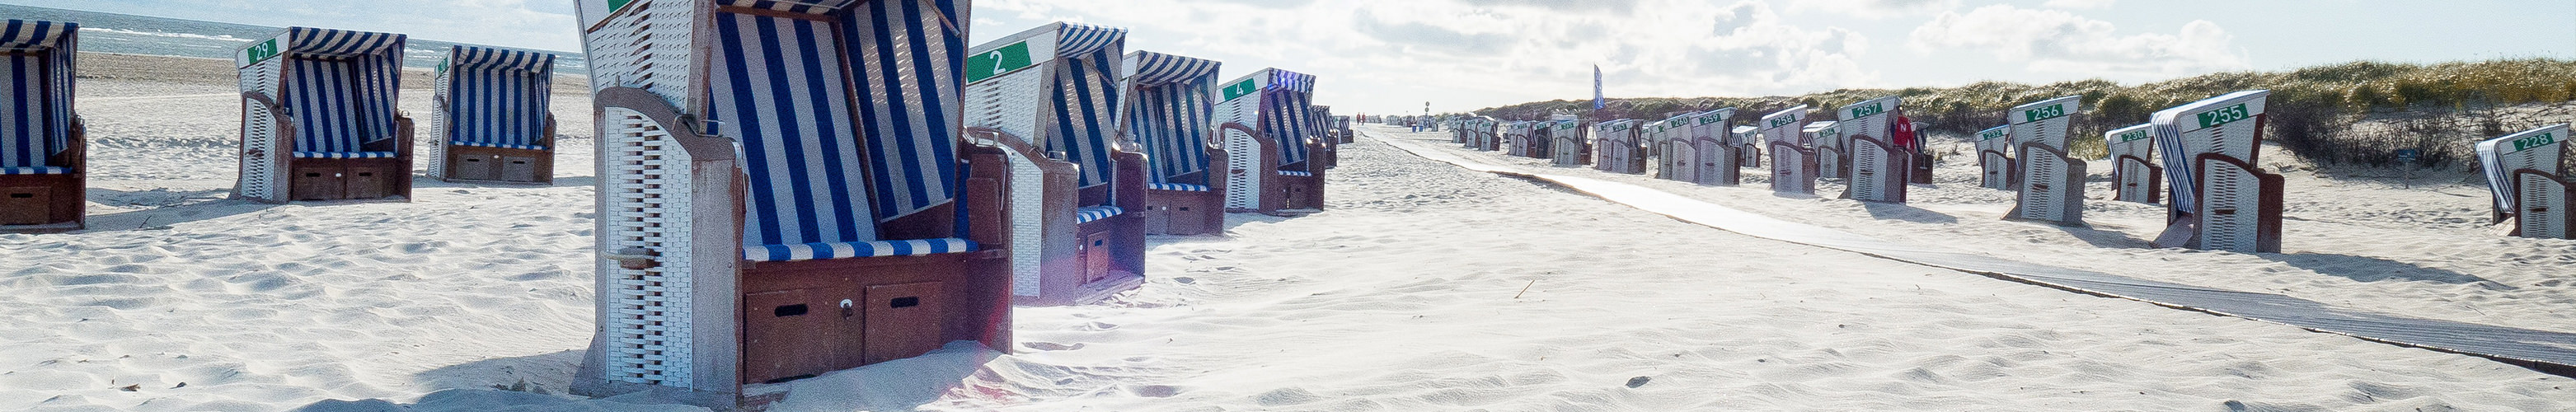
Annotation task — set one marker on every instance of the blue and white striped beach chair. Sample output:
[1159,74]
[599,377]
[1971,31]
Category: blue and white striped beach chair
[784,193]
[1048,98]
[2219,199]
[44,156]
[1277,166]
[1168,111]
[319,118]
[493,119]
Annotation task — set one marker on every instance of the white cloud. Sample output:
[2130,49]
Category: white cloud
[2062,42]
[2080,4]
[1874,9]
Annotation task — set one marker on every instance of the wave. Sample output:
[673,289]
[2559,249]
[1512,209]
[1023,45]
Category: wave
[219,37]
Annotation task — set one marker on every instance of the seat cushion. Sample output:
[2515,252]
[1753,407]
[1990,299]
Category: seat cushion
[498,145]
[838,250]
[1185,187]
[345,155]
[1088,214]
[42,170]
[1298,174]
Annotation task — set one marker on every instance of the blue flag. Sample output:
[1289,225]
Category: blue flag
[1596,87]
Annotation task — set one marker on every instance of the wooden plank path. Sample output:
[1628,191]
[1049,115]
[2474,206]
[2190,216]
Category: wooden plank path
[2545,351]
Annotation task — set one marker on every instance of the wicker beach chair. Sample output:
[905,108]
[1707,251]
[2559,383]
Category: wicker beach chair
[1673,154]
[1793,165]
[1275,166]
[319,117]
[1826,141]
[1994,159]
[2530,187]
[493,117]
[2052,183]
[1168,112]
[1616,147]
[1712,148]
[44,149]
[784,192]
[2135,175]
[2219,200]
[1876,167]
[1048,98]
[1322,123]
[1748,146]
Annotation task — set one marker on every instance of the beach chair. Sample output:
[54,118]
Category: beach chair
[2135,175]
[1532,140]
[1566,144]
[2219,200]
[1793,165]
[1048,97]
[2052,183]
[44,147]
[2530,187]
[319,117]
[1825,141]
[1712,148]
[1168,112]
[1322,124]
[1911,140]
[1675,158]
[1994,159]
[1877,167]
[1276,166]
[1342,128]
[1616,146]
[785,192]
[493,118]
[1748,146]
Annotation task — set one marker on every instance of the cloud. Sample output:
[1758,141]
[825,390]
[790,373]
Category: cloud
[1874,9]
[2058,41]
[2080,4]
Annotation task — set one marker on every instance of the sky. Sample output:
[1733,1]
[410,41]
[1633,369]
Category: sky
[1393,57]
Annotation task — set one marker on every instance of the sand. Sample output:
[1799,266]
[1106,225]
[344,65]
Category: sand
[1422,287]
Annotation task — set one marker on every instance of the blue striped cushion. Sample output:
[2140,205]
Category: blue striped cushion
[1299,174]
[35,109]
[495,98]
[1169,111]
[1088,214]
[837,250]
[344,155]
[1177,186]
[47,170]
[781,93]
[499,145]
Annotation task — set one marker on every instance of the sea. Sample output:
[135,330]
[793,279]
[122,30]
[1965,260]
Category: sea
[161,36]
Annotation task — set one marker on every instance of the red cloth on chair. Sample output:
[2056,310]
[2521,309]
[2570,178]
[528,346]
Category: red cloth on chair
[1903,137]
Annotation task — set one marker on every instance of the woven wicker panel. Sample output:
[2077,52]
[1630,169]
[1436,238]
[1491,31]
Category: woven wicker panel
[646,206]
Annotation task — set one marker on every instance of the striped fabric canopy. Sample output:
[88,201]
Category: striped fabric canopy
[1287,114]
[341,87]
[495,98]
[1169,111]
[1086,94]
[825,166]
[329,43]
[1156,69]
[791,6]
[36,75]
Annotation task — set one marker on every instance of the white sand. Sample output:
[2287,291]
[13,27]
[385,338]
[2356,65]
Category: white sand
[1400,297]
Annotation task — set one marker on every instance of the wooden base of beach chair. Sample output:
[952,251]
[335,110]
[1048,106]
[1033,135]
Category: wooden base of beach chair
[1793,169]
[41,203]
[1182,212]
[802,319]
[1922,166]
[2239,211]
[348,179]
[1998,170]
[491,164]
[2546,208]
[2052,187]
[1302,192]
[1878,171]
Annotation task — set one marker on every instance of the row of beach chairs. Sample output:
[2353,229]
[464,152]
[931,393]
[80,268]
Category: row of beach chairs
[786,187]
[2197,159]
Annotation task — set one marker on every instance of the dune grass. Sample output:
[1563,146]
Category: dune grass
[2441,108]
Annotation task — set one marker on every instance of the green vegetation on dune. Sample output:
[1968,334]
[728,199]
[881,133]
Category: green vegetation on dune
[2437,109]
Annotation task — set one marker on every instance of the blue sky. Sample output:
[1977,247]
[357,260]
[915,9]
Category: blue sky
[1387,56]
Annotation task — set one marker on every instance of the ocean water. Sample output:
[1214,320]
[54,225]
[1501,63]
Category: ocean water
[131,34]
